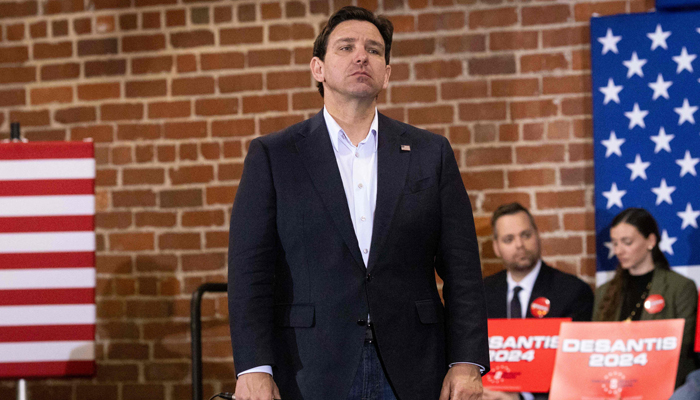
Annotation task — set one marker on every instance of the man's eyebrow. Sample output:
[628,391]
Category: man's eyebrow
[375,43]
[346,40]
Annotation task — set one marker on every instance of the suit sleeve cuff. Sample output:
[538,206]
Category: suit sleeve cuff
[481,367]
[263,368]
[527,396]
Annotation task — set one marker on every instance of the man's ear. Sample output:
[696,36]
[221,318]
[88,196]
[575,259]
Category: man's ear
[495,247]
[317,69]
[386,77]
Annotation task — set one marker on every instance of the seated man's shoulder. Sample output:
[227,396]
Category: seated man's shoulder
[568,280]
[492,281]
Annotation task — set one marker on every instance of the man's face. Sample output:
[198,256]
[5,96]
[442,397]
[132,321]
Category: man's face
[354,64]
[517,242]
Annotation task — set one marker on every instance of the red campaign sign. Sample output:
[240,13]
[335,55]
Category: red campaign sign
[615,360]
[522,353]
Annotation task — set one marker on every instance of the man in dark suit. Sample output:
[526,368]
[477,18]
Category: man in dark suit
[338,227]
[527,279]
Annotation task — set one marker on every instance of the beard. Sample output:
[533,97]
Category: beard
[524,262]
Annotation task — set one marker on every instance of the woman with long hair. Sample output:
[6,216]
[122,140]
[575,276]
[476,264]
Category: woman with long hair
[644,272]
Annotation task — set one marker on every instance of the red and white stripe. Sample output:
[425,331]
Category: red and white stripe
[47,259]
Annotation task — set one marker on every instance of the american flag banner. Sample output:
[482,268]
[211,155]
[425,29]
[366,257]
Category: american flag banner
[646,125]
[47,259]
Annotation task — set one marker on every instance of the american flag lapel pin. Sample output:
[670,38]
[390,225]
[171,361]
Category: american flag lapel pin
[405,147]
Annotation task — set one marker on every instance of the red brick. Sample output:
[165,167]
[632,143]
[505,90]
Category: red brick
[494,65]
[438,69]
[566,84]
[562,246]
[105,68]
[459,134]
[237,36]
[180,198]
[490,18]
[31,118]
[489,156]
[151,20]
[260,104]
[560,199]
[577,106]
[464,43]
[17,75]
[295,9]
[217,106]
[531,177]
[483,180]
[558,129]
[576,176]
[580,152]
[52,50]
[160,220]
[566,37]
[191,174]
[14,54]
[482,111]
[132,241]
[508,133]
[196,262]
[185,130]
[263,58]
[55,72]
[413,94]
[154,88]
[146,65]
[202,218]
[179,241]
[583,128]
[584,11]
[543,62]
[121,155]
[169,109]
[440,21]
[240,83]
[186,63]
[217,239]
[210,151]
[143,176]
[175,18]
[230,60]
[581,59]
[99,91]
[533,131]
[233,127]
[307,101]
[197,38]
[127,351]
[98,133]
[38,29]
[532,109]
[273,124]
[270,10]
[14,32]
[141,43]
[188,151]
[118,112]
[412,47]
[431,115]
[493,200]
[517,40]
[82,26]
[288,80]
[284,32]
[223,14]
[464,90]
[515,87]
[97,47]
[541,15]
[107,23]
[14,9]
[75,115]
[130,132]
[540,153]
[247,12]
[229,172]
[62,94]
[193,86]
[13,97]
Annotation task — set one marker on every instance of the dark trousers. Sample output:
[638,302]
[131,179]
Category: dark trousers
[370,382]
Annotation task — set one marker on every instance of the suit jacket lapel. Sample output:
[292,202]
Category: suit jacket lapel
[392,167]
[540,289]
[318,156]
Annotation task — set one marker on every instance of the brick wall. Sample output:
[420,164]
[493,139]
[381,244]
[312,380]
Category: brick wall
[172,92]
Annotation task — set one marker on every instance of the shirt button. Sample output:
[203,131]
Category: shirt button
[357,154]
[363,218]
[359,186]
[365,251]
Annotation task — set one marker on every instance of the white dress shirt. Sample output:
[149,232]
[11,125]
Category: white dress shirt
[526,284]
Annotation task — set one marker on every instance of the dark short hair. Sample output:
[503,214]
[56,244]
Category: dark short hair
[510,209]
[349,13]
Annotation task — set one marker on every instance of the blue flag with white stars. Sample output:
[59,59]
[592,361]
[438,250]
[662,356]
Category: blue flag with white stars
[646,130]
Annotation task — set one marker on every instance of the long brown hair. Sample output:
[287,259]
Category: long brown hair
[646,225]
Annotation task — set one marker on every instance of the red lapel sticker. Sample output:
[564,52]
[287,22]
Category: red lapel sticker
[540,307]
[654,303]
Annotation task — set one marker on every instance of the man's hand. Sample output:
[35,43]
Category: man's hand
[256,386]
[462,382]
[494,395]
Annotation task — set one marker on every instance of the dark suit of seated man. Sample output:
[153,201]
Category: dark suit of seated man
[517,242]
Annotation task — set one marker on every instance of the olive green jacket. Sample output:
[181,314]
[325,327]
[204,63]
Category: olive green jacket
[681,301]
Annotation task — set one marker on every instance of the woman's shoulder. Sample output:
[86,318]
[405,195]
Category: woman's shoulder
[675,279]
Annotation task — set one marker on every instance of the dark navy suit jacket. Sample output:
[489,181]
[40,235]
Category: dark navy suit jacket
[298,285]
